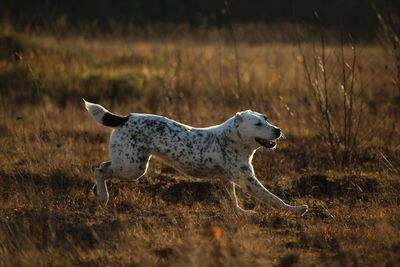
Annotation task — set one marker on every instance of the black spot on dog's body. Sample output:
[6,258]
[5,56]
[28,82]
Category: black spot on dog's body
[244,168]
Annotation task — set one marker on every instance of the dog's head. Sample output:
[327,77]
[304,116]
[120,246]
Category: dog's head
[253,128]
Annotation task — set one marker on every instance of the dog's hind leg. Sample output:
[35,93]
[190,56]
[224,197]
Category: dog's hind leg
[105,164]
[100,188]
[253,187]
[101,166]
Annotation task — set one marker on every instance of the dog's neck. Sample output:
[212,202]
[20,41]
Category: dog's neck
[230,133]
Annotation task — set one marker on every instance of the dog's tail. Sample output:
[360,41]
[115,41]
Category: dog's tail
[103,116]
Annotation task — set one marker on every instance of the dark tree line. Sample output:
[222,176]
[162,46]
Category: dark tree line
[356,16]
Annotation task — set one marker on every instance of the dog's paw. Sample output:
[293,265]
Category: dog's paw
[245,211]
[300,210]
[103,200]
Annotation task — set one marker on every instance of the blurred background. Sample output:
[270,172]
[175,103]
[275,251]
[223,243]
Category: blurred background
[326,72]
[357,17]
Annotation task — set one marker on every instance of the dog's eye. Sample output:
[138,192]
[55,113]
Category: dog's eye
[258,124]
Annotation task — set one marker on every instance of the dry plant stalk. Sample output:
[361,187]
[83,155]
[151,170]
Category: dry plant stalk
[322,77]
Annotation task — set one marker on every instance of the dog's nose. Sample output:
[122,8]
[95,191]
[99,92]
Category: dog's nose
[277,132]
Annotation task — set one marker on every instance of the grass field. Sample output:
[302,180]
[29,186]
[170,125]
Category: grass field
[337,106]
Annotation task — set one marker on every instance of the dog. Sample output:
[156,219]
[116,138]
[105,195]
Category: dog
[224,150]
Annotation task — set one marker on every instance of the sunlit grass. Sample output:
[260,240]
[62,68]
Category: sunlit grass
[49,146]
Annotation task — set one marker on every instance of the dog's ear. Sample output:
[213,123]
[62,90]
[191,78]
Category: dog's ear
[238,119]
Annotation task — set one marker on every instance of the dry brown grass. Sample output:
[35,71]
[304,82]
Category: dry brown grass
[49,147]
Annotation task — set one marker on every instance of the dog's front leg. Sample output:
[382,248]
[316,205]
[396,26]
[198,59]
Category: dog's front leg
[237,202]
[227,185]
[253,187]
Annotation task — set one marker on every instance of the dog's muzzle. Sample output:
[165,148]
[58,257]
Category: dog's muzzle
[265,143]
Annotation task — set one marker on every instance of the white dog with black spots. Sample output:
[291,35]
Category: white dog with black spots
[224,150]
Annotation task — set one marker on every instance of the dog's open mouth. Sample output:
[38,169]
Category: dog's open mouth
[265,143]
